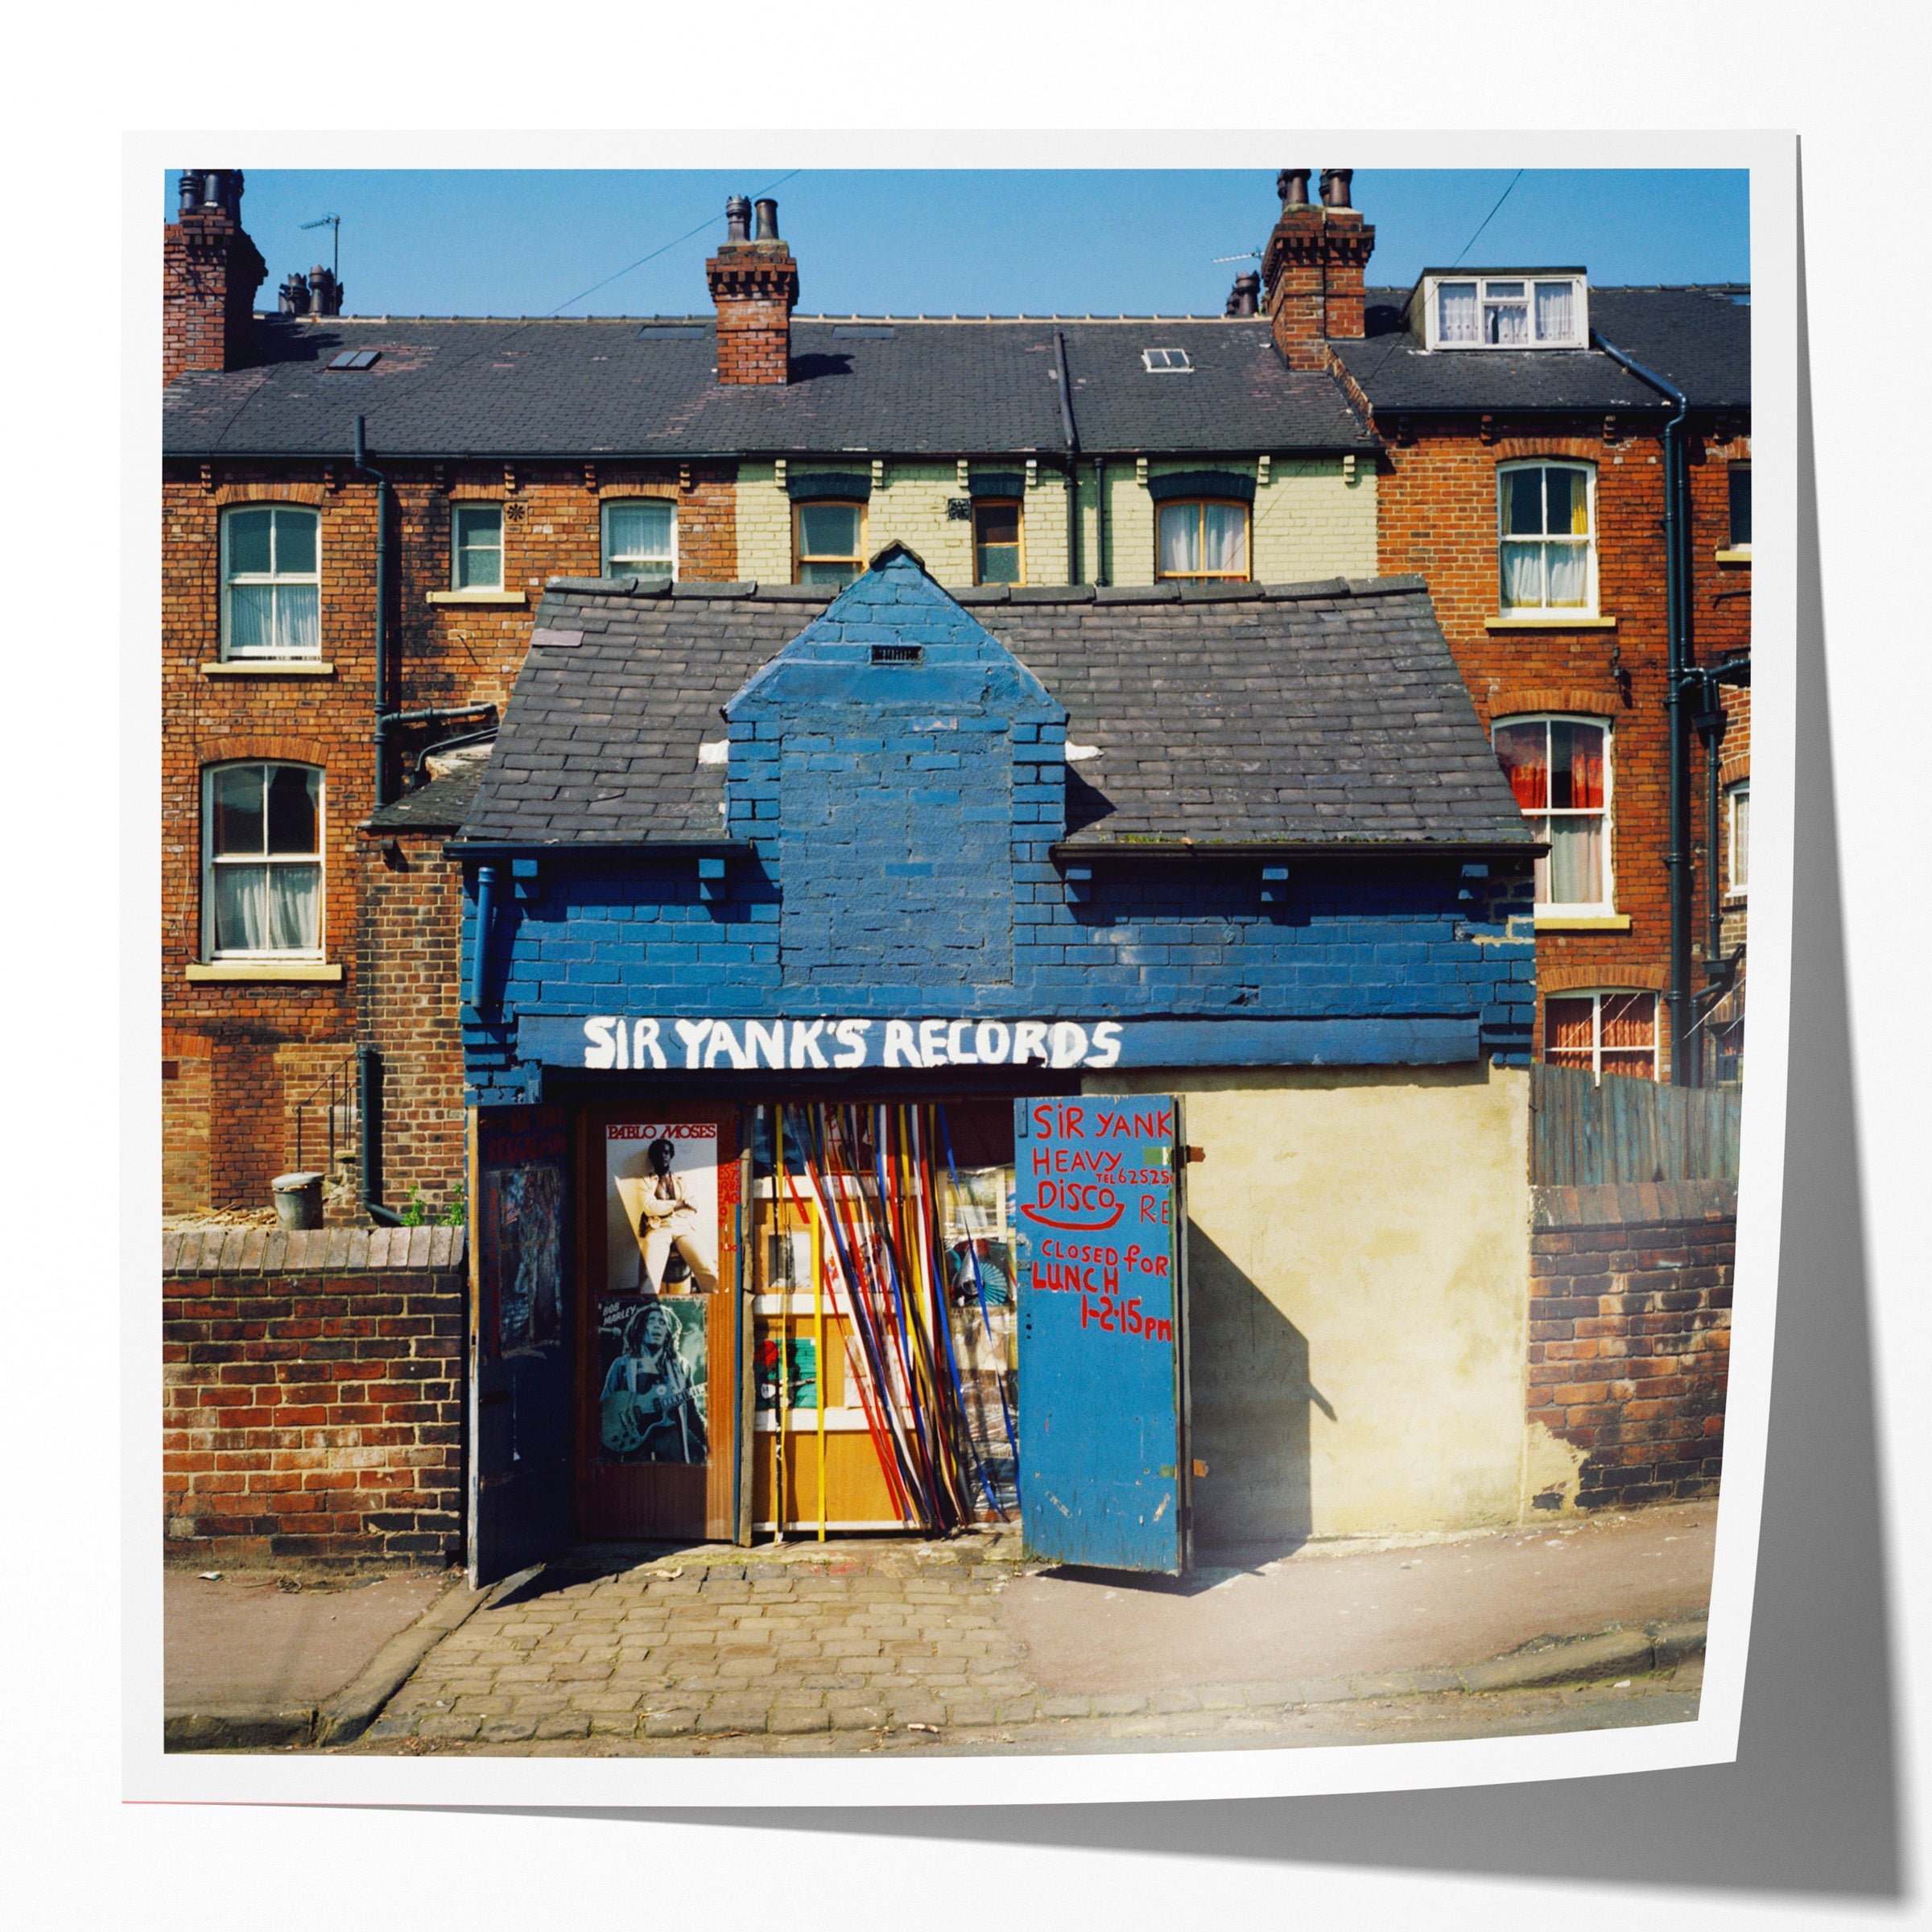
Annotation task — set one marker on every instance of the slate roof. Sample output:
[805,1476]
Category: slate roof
[438,806]
[1698,338]
[632,387]
[1324,714]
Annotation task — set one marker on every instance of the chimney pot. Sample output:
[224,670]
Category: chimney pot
[212,186]
[1245,300]
[1334,187]
[767,220]
[1291,185]
[191,191]
[738,219]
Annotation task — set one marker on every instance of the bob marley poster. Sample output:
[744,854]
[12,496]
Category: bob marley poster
[661,1208]
[651,1355]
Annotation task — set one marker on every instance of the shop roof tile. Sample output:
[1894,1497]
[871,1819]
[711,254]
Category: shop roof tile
[1308,714]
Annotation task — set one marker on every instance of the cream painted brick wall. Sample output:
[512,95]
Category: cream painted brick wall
[909,508]
[1308,523]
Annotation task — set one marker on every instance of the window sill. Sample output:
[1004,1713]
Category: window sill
[1739,556]
[1550,623]
[510,597]
[263,970]
[1599,922]
[271,668]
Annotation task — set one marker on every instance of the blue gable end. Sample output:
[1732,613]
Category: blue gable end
[885,895]
[901,767]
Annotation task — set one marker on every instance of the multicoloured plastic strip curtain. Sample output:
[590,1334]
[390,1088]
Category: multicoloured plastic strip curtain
[902,1267]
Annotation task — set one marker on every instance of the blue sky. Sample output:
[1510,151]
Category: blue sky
[526,241]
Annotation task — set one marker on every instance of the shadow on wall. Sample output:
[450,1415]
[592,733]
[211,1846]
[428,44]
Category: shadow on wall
[1250,1370]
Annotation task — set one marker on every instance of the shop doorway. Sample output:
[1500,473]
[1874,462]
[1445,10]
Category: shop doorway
[807,1316]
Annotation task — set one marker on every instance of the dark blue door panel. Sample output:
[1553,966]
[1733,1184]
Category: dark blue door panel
[520,1381]
[1104,1474]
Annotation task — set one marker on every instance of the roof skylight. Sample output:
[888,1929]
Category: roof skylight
[1166,362]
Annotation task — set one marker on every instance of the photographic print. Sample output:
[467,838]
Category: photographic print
[662,1207]
[651,1351]
[1121,856]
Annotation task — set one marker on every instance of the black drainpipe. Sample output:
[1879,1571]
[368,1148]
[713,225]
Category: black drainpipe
[369,1065]
[1073,457]
[381,605]
[369,1125]
[1099,519]
[1677,606]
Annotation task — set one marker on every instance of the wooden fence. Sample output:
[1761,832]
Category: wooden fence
[1584,1134]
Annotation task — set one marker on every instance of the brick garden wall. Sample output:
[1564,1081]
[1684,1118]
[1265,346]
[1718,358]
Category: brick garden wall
[1630,1335]
[313,1390]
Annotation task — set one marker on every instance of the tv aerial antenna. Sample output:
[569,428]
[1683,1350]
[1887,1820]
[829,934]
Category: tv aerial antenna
[334,224]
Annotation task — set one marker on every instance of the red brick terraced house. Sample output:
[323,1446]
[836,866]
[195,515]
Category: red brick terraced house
[1555,459]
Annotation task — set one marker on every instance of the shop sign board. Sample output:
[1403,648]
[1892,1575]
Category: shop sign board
[1101,1252]
[519,1392]
[648,1043]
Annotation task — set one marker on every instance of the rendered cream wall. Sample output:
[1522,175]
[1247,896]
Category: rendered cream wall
[1358,1282]
[1308,522]
[910,506]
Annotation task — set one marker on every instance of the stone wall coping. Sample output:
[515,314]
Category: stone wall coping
[266,1251]
[1630,1204]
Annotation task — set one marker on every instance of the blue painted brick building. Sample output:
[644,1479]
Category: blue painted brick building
[1242,847]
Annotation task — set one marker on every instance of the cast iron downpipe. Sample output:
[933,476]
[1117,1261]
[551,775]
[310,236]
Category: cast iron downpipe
[382,650]
[1677,615]
[486,893]
[1073,458]
[1099,519]
[369,1131]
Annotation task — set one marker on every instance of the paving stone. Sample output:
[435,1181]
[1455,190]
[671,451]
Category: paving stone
[1067,1707]
[447,1724]
[541,1703]
[565,1723]
[507,1731]
[795,1720]
[1174,1700]
[606,1700]
[1119,1703]
[1326,1691]
[1272,1691]
[670,1724]
[970,1710]
[388,1727]
[478,1704]
[858,1717]
[1223,1696]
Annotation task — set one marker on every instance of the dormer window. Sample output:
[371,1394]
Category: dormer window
[1165,361]
[1520,310]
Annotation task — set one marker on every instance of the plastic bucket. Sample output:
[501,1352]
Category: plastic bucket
[298,1200]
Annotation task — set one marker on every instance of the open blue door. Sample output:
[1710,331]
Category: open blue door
[1100,1233]
[519,1362]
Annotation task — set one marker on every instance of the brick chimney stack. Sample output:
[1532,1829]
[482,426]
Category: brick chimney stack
[210,272]
[754,281]
[1314,266]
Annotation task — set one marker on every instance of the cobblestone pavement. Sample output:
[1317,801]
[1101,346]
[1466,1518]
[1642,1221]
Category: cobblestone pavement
[882,1648]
